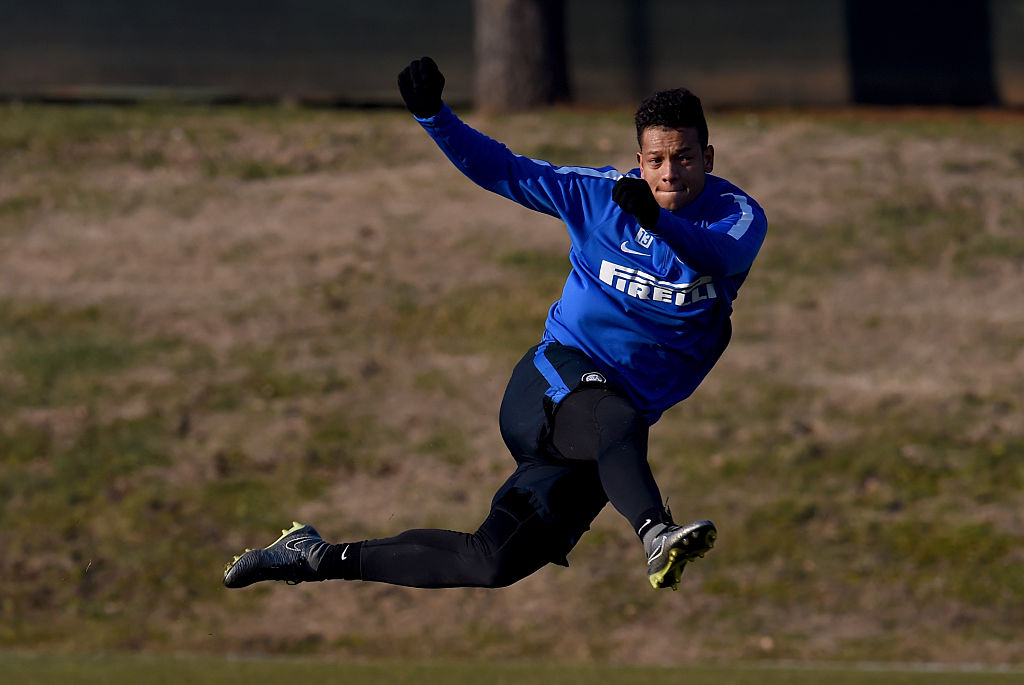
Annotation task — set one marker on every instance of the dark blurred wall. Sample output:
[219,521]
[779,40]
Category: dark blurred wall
[926,52]
[313,49]
[736,52]
[796,52]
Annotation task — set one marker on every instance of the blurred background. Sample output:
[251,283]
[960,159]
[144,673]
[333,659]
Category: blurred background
[239,286]
[592,52]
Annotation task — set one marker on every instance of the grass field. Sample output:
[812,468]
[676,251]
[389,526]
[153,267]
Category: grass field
[123,670]
[214,321]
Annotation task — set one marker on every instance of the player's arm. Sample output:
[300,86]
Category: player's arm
[485,161]
[726,246]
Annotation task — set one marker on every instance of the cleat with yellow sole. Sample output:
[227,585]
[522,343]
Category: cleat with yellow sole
[674,548]
[288,558]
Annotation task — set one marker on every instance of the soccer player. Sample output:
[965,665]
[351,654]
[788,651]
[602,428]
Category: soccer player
[658,255]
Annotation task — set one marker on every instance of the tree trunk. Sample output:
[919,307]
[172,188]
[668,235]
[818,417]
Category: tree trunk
[520,53]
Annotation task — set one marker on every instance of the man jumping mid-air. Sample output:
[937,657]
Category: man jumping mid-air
[658,255]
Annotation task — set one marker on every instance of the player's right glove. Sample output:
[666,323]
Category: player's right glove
[421,84]
[634,196]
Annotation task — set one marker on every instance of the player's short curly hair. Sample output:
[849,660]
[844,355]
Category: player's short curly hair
[677,108]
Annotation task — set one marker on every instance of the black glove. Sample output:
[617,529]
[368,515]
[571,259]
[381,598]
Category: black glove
[421,84]
[634,196]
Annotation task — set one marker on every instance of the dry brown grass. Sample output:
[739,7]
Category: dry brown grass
[310,314]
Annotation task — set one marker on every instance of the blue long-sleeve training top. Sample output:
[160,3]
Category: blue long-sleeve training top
[650,308]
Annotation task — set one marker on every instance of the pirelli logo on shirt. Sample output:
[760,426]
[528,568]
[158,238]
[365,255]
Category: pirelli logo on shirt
[643,286]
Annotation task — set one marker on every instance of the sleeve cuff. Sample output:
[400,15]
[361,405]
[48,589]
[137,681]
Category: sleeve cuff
[438,119]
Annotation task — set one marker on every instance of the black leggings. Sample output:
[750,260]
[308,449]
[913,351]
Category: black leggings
[509,545]
[598,424]
[591,424]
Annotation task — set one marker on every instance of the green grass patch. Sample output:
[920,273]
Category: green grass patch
[19,205]
[21,443]
[507,315]
[249,169]
[345,441]
[447,443]
[251,501]
[942,560]
[51,128]
[62,356]
[118,669]
[92,473]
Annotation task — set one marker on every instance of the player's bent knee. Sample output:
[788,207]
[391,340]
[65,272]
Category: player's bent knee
[511,544]
[618,417]
[500,572]
[496,577]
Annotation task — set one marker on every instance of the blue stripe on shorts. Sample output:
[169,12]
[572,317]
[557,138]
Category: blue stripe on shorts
[557,389]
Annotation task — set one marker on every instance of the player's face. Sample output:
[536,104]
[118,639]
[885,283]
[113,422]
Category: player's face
[673,164]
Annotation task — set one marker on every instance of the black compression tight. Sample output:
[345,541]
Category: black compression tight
[591,424]
[596,424]
[509,545]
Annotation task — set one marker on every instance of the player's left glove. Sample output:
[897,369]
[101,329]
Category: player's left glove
[634,196]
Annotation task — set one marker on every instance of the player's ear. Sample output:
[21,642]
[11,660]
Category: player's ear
[639,159]
[709,159]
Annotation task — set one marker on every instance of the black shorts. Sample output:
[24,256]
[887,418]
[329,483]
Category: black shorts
[567,494]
